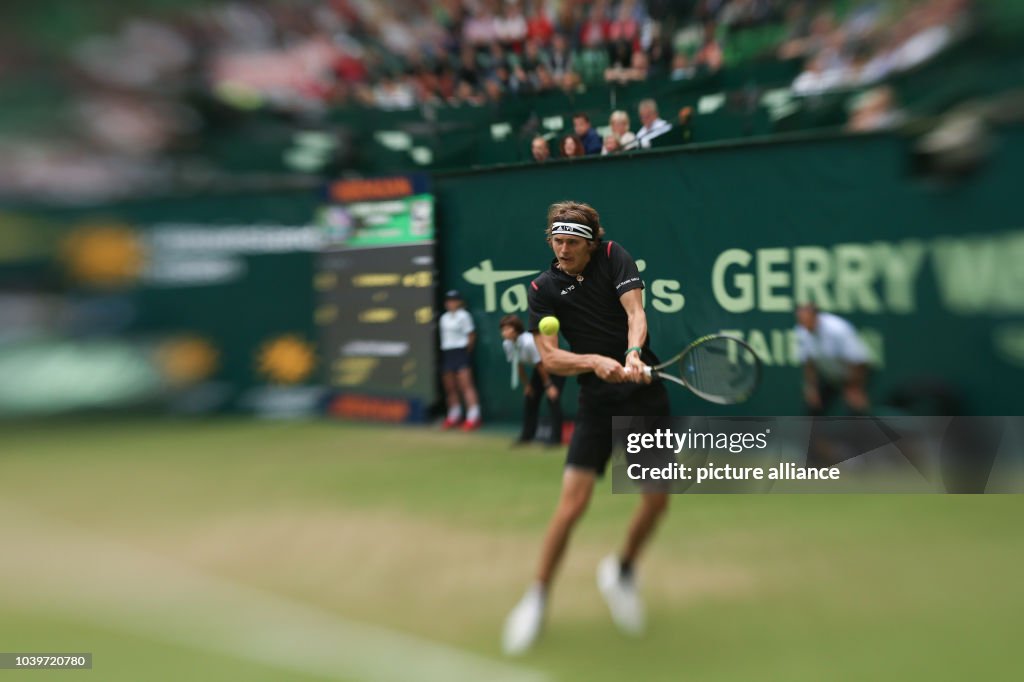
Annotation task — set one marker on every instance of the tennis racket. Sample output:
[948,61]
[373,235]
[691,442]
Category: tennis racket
[720,369]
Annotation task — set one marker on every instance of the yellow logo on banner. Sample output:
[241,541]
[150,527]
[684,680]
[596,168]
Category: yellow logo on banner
[187,360]
[286,359]
[104,255]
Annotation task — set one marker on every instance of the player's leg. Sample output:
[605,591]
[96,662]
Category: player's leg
[451,394]
[586,459]
[464,378]
[653,506]
[531,408]
[524,623]
[577,487]
[615,575]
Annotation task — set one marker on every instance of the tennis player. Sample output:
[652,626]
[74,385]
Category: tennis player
[594,288]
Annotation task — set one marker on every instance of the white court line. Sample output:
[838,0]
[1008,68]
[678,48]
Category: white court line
[59,570]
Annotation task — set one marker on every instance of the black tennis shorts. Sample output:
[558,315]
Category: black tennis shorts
[454,359]
[592,440]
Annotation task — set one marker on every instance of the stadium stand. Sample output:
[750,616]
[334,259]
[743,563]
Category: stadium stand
[347,86]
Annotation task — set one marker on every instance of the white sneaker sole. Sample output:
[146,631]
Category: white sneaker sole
[623,602]
[523,626]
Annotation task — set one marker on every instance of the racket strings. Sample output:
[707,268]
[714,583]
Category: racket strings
[720,367]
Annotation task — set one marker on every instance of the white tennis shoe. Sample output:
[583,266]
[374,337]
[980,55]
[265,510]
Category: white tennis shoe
[621,595]
[524,623]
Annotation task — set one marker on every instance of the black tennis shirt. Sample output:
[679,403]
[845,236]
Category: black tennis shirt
[589,312]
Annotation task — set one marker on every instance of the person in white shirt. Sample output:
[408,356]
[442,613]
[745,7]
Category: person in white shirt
[653,126]
[619,124]
[835,361]
[458,336]
[521,351]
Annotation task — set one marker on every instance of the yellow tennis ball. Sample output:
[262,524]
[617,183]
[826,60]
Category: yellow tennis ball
[549,325]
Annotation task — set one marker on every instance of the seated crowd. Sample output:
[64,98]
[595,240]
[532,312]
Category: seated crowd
[586,141]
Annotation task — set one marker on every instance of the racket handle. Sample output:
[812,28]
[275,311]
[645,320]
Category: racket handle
[647,370]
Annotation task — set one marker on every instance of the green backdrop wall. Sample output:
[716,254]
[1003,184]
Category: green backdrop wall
[730,238]
[231,271]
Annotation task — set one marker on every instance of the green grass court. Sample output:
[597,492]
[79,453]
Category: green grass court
[241,550]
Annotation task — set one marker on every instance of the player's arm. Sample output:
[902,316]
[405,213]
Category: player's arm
[545,378]
[566,363]
[632,302]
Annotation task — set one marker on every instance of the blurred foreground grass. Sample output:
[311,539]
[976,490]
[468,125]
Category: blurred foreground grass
[211,549]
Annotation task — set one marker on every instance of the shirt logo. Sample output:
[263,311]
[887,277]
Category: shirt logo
[628,281]
[568,289]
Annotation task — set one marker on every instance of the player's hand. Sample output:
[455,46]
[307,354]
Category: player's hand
[552,392]
[610,370]
[637,369]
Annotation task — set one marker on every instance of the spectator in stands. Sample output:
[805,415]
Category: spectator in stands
[571,83]
[494,90]
[875,110]
[685,126]
[511,27]
[569,17]
[468,70]
[681,68]
[709,57]
[538,25]
[586,133]
[653,126]
[533,57]
[817,78]
[636,71]
[496,58]
[521,351]
[594,32]
[640,66]
[561,56]
[542,79]
[465,93]
[478,30]
[540,150]
[571,147]
[659,58]
[625,29]
[806,37]
[619,56]
[393,93]
[624,139]
[611,145]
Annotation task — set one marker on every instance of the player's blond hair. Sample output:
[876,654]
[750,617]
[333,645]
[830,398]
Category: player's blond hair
[576,212]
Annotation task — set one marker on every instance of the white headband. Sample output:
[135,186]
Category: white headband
[575,229]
